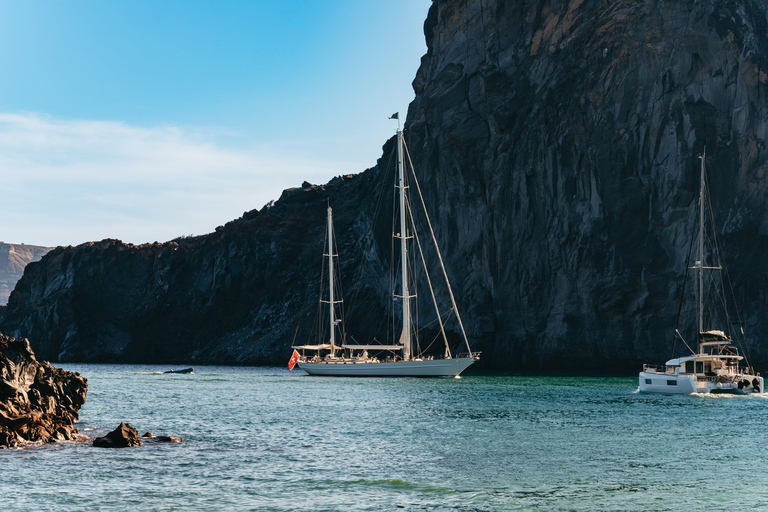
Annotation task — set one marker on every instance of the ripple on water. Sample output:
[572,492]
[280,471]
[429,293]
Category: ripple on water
[269,439]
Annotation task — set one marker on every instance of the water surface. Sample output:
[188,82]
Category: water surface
[270,439]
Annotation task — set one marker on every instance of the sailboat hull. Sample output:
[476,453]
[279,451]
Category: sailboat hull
[417,368]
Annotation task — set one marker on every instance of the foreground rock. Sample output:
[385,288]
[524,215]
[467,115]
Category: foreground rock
[125,436]
[38,403]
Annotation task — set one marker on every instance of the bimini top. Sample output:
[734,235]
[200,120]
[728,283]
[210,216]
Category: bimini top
[714,338]
[374,347]
[326,346]
[713,335]
[701,357]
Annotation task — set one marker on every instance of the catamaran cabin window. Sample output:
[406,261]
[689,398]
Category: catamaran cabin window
[671,383]
[699,367]
[689,367]
[648,381]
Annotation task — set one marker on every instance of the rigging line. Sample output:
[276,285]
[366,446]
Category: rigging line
[712,309]
[685,342]
[412,267]
[320,317]
[437,335]
[682,296]
[429,282]
[431,343]
[301,314]
[370,245]
[317,325]
[445,316]
[720,292]
[337,284]
[393,266]
[415,319]
[743,337]
[437,249]
[721,263]
[369,234]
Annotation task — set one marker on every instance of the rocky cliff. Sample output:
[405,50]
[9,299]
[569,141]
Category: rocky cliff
[230,297]
[38,403]
[13,259]
[558,147]
[574,128]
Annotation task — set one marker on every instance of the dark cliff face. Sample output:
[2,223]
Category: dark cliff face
[574,128]
[231,297]
[557,144]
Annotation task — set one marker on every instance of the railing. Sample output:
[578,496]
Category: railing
[656,368]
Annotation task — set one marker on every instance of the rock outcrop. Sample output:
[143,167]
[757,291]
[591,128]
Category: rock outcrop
[13,259]
[38,403]
[123,436]
[149,437]
[558,145]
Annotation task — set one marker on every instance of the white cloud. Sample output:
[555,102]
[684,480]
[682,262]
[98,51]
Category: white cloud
[69,181]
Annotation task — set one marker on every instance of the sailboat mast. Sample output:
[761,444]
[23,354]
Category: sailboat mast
[330,280]
[701,253]
[406,337]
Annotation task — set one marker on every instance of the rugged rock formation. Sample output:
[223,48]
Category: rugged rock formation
[38,403]
[558,144]
[13,259]
[123,436]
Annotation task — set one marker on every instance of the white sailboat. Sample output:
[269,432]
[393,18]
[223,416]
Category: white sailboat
[396,359]
[716,366]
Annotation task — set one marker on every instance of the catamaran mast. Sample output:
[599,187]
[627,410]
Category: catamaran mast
[330,280]
[406,336]
[701,253]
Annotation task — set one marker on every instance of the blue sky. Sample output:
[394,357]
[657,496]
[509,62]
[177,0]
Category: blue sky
[146,120]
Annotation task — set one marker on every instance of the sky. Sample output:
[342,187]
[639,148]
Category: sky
[144,120]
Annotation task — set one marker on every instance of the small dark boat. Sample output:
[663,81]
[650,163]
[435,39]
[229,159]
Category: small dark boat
[185,370]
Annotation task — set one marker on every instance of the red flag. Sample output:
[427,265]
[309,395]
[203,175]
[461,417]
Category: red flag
[294,358]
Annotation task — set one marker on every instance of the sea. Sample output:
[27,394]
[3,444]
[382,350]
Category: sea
[269,439]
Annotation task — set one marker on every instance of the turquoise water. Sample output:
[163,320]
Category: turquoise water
[273,440]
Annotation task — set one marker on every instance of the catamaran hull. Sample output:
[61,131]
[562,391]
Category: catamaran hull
[676,384]
[426,368]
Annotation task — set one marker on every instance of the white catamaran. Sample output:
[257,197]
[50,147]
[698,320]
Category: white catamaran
[715,367]
[353,360]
